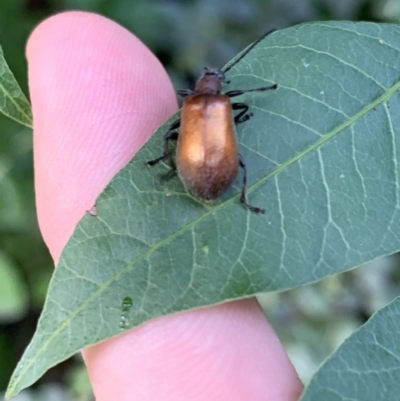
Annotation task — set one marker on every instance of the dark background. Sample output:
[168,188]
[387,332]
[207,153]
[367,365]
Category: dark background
[186,36]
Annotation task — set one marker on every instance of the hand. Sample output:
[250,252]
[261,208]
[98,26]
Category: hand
[97,94]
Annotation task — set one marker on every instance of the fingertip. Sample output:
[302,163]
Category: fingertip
[97,95]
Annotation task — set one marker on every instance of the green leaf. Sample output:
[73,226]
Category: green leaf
[13,102]
[366,366]
[322,155]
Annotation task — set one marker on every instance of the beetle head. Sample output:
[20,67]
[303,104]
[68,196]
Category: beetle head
[210,82]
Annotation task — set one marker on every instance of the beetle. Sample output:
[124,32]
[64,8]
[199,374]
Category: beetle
[207,156]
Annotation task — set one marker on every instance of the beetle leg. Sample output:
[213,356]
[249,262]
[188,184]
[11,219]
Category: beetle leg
[171,173]
[243,115]
[243,201]
[239,92]
[184,92]
[170,135]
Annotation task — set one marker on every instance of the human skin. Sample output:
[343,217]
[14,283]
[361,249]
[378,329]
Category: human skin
[97,95]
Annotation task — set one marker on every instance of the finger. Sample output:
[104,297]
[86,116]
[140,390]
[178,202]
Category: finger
[97,94]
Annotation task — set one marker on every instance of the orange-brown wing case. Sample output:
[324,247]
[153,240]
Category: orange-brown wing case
[207,155]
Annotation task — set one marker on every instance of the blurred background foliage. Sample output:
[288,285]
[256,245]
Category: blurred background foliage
[186,36]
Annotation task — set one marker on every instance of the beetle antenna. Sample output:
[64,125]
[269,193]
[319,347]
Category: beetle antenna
[248,49]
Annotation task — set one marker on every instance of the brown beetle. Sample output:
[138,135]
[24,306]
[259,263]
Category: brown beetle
[207,156]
